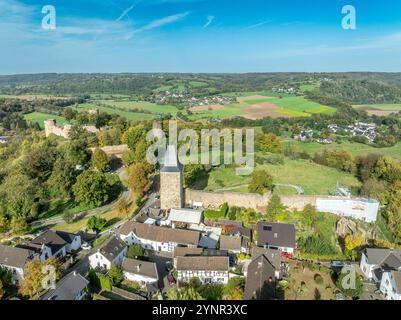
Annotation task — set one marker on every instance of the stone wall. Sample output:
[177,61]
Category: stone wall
[214,200]
[64,131]
[299,202]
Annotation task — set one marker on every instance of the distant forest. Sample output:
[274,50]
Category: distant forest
[330,88]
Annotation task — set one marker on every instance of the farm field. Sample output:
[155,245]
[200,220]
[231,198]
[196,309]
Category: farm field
[32,97]
[141,105]
[379,109]
[257,105]
[129,115]
[302,173]
[355,148]
[40,118]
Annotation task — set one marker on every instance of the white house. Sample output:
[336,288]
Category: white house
[278,236]
[363,209]
[390,286]
[375,261]
[54,244]
[208,269]
[112,251]
[157,238]
[15,259]
[71,287]
[184,216]
[143,272]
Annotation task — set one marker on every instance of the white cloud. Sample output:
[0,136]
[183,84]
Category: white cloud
[208,22]
[257,25]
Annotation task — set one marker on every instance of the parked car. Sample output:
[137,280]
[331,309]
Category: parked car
[170,279]
[169,266]
[338,265]
[86,246]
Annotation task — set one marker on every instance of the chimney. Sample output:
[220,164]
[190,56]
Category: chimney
[74,273]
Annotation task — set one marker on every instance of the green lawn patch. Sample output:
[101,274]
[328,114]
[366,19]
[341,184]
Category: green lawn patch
[40,118]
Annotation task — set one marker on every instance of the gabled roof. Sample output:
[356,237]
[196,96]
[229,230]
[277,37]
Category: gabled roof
[161,234]
[203,263]
[260,280]
[49,238]
[66,236]
[242,231]
[276,234]
[112,248]
[143,268]
[231,243]
[185,215]
[14,256]
[185,251]
[385,258]
[67,288]
[274,256]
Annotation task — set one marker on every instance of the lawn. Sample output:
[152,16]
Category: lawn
[127,114]
[355,148]
[228,111]
[299,106]
[40,118]
[302,173]
[394,107]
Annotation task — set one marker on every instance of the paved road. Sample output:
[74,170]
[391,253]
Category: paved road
[126,195]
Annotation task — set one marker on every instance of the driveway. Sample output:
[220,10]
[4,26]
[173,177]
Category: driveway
[160,258]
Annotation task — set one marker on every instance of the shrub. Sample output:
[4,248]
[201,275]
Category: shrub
[318,278]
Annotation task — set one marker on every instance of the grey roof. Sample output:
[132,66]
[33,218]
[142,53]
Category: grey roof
[171,162]
[276,234]
[274,256]
[139,267]
[66,236]
[49,238]
[260,280]
[112,248]
[67,288]
[14,256]
[232,243]
[245,232]
[187,251]
[203,263]
[385,258]
[161,234]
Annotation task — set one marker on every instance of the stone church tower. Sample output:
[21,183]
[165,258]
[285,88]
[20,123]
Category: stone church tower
[171,181]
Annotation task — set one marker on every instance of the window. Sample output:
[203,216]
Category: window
[267,228]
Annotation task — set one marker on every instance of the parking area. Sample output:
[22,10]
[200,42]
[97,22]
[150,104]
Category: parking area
[160,258]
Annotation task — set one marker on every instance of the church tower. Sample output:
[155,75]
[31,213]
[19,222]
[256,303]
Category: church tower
[171,181]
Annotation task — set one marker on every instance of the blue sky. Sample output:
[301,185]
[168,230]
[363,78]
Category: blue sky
[199,36]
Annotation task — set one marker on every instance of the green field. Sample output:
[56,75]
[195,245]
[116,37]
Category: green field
[40,118]
[127,114]
[142,105]
[355,148]
[287,105]
[313,178]
[390,107]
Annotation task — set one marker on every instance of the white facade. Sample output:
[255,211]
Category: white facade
[75,245]
[388,287]
[149,244]
[141,279]
[363,209]
[98,260]
[367,268]
[206,277]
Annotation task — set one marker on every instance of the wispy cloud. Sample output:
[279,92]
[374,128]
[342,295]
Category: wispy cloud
[257,25]
[127,11]
[208,22]
[158,23]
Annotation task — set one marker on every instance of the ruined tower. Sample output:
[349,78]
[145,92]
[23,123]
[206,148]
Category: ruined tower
[171,181]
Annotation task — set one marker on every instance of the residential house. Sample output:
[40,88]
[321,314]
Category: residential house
[54,244]
[260,281]
[232,244]
[274,257]
[157,238]
[277,236]
[143,272]
[15,259]
[390,285]
[111,252]
[375,261]
[208,269]
[185,252]
[71,287]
